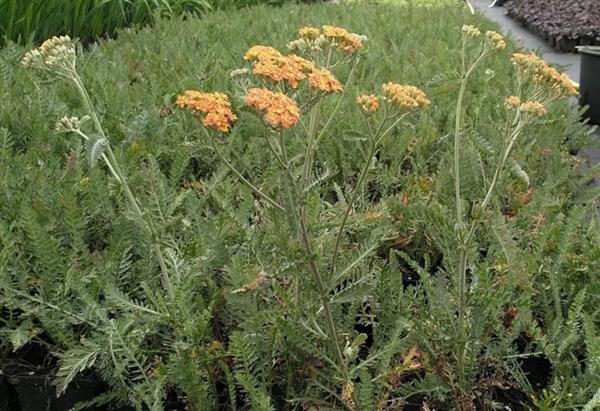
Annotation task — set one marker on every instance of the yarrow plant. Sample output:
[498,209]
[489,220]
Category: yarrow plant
[57,57]
[537,86]
[289,92]
[288,278]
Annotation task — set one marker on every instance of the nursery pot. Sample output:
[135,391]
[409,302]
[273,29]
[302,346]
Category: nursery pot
[589,87]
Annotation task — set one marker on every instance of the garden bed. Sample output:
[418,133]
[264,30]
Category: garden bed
[563,24]
[240,321]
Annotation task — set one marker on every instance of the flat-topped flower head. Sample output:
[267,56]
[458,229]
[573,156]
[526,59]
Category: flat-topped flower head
[258,52]
[513,102]
[369,103]
[70,123]
[271,64]
[407,97]
[533,107]
[55,54]
[533,67]
[323,80]
[345,41]
[309,32]
[280,110]
[215,107]
[470,31]
[495,40]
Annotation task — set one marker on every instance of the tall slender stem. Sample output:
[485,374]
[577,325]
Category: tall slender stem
[115,169]
[350,205]
[243,179]
[462,263]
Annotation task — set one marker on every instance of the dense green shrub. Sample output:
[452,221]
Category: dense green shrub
[36,20]
[78,273]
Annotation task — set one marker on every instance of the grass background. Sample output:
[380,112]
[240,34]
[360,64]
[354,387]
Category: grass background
[37,20]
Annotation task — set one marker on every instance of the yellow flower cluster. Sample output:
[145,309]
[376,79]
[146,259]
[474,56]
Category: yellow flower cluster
[529,107]
[470,31]
[261,52]
[56,53]
[368,102]
[407,97]
[323,80]
[534,67]
[215,106]
[345,40]
[309,32]
[495,40]
[280,110]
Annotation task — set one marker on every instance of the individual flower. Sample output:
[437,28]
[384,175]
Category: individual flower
[215,107]
[309,32]
[323,80]
[345,41]
[495,40]
[368,103]
[55,54]
[280,110]
[407,97]
[533,107]
[513,102]
[470,31]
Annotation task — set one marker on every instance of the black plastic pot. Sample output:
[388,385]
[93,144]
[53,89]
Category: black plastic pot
[589,87]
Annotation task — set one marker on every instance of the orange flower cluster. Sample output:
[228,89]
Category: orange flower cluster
[534,107]
[513,102]
[270,63]
[533,66]
[368,103]
[323,80]
[281,111]
[309,32]
[407,97]
[215,106]
[345,40]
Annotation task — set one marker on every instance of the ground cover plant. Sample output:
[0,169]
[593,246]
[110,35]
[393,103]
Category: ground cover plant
[563,24]
[386,222]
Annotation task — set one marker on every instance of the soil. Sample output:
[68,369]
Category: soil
[26,384]
[563,24]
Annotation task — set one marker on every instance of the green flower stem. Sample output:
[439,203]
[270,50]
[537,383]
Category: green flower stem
[337,104]
[310,143]
[457,139]
[299,214]
[462,264]
[108,164]
[116,170]
[241,177]
[376,139]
